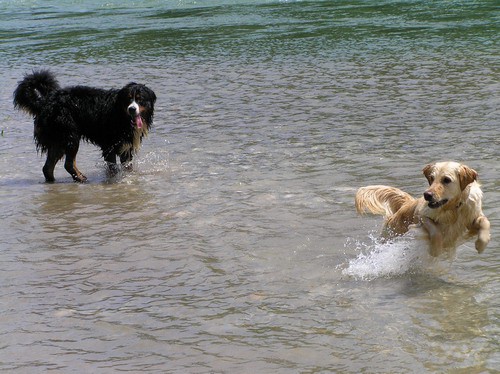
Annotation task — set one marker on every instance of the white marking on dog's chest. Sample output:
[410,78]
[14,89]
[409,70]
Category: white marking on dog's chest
[136,140]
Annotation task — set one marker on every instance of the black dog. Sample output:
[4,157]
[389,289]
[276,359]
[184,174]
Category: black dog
[115,120]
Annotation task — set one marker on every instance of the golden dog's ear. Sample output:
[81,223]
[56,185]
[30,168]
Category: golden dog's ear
[466,176]
[427,170]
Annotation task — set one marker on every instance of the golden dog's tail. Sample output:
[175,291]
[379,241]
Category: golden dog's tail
[382,200]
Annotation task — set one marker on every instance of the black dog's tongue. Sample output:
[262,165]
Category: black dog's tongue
[138,121]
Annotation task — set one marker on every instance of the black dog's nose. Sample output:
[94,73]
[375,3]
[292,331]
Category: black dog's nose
[132,110]
[428,196]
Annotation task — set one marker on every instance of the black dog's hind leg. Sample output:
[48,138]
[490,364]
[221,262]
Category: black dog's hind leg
[70,164]
[53,155]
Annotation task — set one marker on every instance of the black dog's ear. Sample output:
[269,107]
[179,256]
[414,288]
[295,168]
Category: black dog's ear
[124,92]
[151,94]
[427,170]
[466,175]
[146,92]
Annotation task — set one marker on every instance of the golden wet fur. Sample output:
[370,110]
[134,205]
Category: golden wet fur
[449,210]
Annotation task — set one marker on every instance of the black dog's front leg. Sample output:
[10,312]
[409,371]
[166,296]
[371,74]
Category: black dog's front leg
[110,159]
[126,160]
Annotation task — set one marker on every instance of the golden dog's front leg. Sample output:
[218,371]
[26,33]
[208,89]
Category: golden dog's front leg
[482,226]
[435,237]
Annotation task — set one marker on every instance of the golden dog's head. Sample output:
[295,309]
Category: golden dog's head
[447,180]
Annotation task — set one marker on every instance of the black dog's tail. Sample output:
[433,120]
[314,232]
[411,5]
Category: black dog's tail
[31,92]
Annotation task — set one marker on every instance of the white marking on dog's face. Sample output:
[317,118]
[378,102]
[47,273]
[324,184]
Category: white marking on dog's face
[133,108]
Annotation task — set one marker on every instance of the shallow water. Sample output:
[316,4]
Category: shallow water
[234,246]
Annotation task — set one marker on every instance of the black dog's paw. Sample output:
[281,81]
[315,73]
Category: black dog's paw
[80,178]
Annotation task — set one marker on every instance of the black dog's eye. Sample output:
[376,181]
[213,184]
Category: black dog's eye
[446,180]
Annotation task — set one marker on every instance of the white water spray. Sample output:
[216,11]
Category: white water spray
[398,257]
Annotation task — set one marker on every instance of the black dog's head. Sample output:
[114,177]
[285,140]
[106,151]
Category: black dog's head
[138,102]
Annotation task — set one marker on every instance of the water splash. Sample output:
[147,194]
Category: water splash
[153,162]
[378,259]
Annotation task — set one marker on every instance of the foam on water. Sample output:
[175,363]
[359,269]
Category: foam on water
[402,256]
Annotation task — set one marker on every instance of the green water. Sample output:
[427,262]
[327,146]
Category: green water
[88,32]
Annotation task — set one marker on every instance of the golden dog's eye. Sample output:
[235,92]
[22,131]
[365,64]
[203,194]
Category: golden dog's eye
[446,180]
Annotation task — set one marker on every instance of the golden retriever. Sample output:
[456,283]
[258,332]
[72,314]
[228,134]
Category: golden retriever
[449,210]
